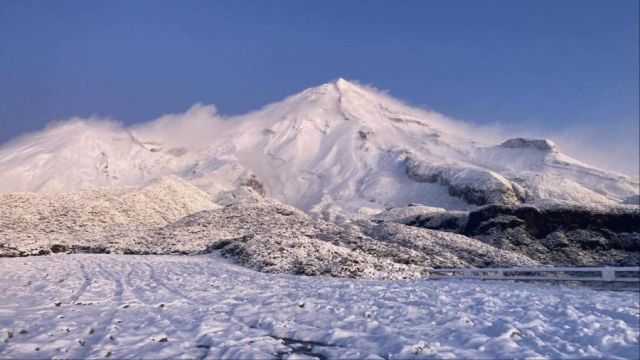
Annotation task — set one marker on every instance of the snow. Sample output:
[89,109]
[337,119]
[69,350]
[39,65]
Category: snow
[550,176]
[171,216]
[337,150]
[126,306]
[447,250]
[31,222]
[317,184]
[83,153]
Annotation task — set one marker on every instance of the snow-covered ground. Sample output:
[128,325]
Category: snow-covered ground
[79,306]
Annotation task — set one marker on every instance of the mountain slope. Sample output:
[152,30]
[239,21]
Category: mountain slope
[78,154]
[339,149]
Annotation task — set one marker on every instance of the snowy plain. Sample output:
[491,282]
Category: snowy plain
[129,306]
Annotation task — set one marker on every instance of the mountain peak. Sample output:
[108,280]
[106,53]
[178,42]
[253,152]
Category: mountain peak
[341,81]
[345,85]
[330,149]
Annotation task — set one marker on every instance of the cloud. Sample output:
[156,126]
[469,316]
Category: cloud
[613,149]
[195,128]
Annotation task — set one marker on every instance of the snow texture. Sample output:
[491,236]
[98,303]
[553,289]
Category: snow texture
[35,222]
[201,307]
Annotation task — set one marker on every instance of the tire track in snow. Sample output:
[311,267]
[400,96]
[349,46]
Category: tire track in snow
[154,277]
[85,284]
[97,333]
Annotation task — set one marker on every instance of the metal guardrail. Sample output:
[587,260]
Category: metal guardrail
[608,274]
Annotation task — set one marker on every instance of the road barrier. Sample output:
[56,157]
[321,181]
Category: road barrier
[608,274]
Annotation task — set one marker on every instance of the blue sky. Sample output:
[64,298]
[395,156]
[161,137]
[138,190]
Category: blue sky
[566,67]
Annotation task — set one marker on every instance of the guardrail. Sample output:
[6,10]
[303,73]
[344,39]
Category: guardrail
[608,274]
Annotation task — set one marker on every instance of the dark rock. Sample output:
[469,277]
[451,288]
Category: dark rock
[524,143]
[57,248]
[253,183]
[561,236]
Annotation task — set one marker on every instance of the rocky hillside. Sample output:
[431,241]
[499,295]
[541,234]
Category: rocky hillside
[262,234]
[31,223]
[564,236]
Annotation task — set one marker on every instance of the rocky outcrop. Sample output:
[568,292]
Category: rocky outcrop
[524,143]
[476,186]
[252,182]
[240,195]
[540,222]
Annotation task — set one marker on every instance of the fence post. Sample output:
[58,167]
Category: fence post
[608,274]
[500,274]
[467,273]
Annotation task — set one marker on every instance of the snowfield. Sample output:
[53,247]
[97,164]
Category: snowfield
[79,306]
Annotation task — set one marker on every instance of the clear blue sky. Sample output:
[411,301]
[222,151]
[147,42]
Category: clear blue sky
[551,65]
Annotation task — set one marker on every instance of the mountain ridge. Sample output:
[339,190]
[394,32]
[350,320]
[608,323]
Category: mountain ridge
[335,150]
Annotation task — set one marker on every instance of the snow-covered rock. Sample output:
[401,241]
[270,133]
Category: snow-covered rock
[447,250]
[173,217]
[34,222]
[476,186]
[425,217]
[243,194]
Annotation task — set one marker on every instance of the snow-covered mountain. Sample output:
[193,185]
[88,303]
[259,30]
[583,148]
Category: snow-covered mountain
[339,148]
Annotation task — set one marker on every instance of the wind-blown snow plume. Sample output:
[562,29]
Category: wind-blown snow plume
[193,129]
[338,148]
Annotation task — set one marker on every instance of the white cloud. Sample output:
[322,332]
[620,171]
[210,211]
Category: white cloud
[195,128]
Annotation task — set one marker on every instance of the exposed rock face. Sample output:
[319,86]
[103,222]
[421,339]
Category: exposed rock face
[252,182]
[451,221]
[476,186]
[542,221]
[565,236]
[524,143]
